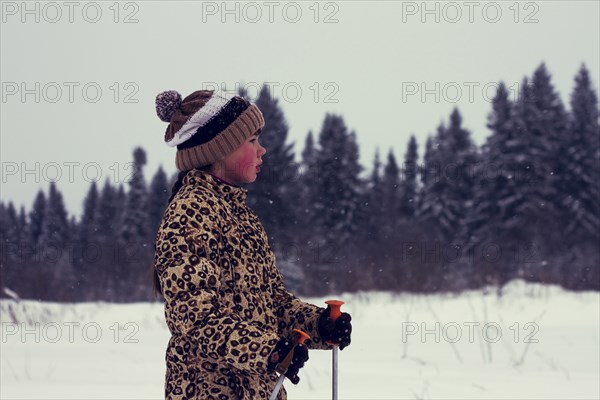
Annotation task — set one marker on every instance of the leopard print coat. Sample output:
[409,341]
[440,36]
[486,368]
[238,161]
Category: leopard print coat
[225,303]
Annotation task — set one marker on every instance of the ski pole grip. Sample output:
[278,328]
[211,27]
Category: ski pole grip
[283,366]
[335,306]
[302,336]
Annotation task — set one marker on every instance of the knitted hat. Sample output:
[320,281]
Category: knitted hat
[206,126]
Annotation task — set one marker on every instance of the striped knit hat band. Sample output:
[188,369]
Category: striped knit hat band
[206,126]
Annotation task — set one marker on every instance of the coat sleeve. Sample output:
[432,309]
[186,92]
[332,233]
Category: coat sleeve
[191,284]
[293,313]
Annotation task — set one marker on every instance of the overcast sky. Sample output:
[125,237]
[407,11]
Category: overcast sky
[79,82]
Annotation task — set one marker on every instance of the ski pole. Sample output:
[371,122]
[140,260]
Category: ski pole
[335,312]
[283,366]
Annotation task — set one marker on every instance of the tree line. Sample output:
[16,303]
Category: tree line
[525,204]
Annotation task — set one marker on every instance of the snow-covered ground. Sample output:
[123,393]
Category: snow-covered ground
[534,342]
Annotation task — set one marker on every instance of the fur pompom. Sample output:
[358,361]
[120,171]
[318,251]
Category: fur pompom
[166,104]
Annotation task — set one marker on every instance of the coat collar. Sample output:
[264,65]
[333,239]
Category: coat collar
[228,191]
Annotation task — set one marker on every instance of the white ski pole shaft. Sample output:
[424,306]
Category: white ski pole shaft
[334,373]
[334,307]
[277,387]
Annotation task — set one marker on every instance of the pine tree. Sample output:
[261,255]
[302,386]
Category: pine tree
[37,221]
[108,213]
[23,236]
[426,169]
[390,234]
[107,270]
[408,186]
[534,209]
[370,231]
[157,201]
[56,275]
[11,250]
[356,216]
[550,129]
[337,193]
[464,163]
[16,229]
[309,153]
[88,227]
[12,231]
[447,195]
[579,186]
[304,228]
[134,222]
[23,228]
[520,155]
[121,198]
[88,246]
[133,251]
[496,183]
[374,202]
[334,192]
[579,190]
[307,176]
[390,200]
[448,187]
[354,193]
[55,228]
[404,273]
[36,216]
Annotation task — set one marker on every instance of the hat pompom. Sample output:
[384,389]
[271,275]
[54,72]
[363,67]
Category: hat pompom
[166,104]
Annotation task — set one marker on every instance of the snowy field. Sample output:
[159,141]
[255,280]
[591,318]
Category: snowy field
[534,342]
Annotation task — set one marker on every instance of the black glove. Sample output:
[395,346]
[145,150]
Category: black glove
[282,349]
[337,331]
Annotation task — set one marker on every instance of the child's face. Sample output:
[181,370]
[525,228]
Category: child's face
[241,166]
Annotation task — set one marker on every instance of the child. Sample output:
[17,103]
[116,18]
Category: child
[229,314]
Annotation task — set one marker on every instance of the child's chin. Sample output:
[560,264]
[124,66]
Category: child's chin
[249,178]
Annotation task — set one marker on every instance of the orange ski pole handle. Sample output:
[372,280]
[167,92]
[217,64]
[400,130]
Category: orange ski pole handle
[334,312]
[302,336]
[335,306]
[283,366]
